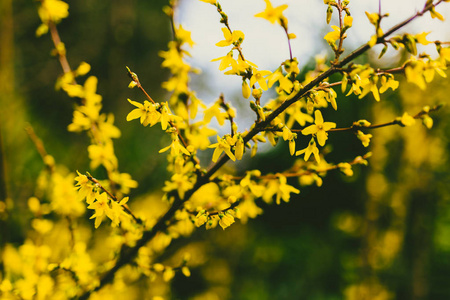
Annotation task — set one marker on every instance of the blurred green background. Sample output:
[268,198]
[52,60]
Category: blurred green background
[382,234]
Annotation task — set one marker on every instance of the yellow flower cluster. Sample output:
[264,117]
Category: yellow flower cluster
[193,195]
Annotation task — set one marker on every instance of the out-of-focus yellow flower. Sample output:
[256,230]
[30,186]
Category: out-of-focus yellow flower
[226,219]
[184,36]
[435,14]
[53,10]
[230,38]
[407,120]
[272,14]
[364,138]
[414,74]
[348,21]
[180,183]
[226,61]
[103,155]
[373,18]
[388,83]
[421,38]
[311,149]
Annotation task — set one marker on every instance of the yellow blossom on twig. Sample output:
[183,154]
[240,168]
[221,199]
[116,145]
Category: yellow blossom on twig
[272,14]
[320,128]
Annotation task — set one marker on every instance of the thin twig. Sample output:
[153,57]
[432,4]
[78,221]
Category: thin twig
[357,160]
[57,42]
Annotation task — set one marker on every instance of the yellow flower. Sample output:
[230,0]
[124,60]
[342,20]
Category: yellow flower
[258,76]
[385,84]
[435,14]
[179,182]
[101,208]
[83,69]
[285,84]
[239,150]
[279,188]
[166,115]
[146,112]
[175,147]
[201,218]
[230,38]
[444,53]
[106,127]
[172,58]
[245,89]
[311,149]
[373,40]
[103,155]
[226,61]
[365,138]
[214,111]
[85,188]
[272,14]
[320,128]
[414,74]
[332,36]
[331,97]
[198,137]
[226,219]
[284,190]
[184,36]
[370,85]
[291,66]
[53,10]
[348,21]
[297,115]
[346,168]
[241,67]
[186,272]
[168,274]
[80,122]
[373,17]
[407,120]
[64,199]
[222,145]
[124,181]
[213,2]
[422,38]
[288,135]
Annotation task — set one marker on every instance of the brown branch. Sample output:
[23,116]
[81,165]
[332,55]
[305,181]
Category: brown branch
[356,126]
[285,27]
[339,50]
[398,70]
[56,42]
